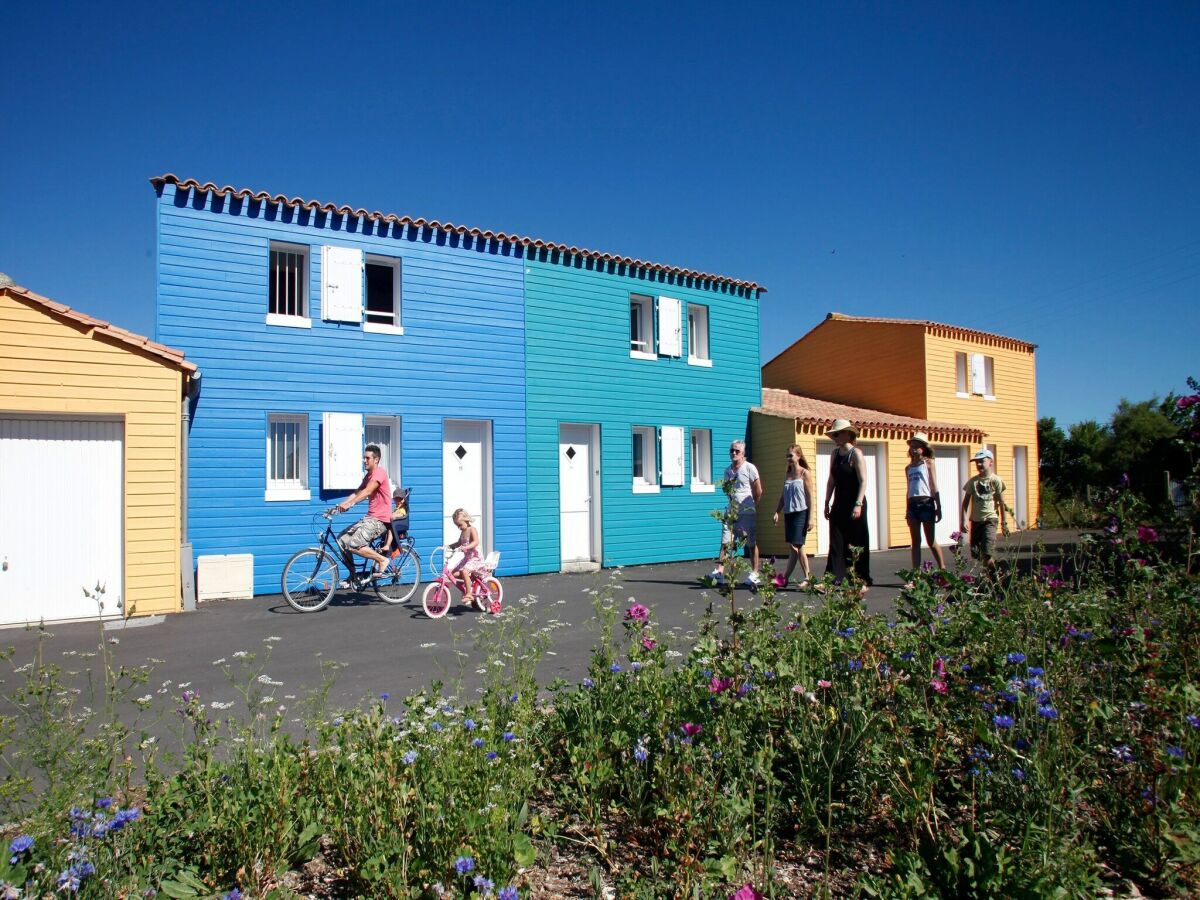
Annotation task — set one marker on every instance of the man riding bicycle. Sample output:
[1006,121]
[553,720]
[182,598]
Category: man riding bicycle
[358,537]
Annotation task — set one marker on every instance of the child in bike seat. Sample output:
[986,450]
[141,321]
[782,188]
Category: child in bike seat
[399,530]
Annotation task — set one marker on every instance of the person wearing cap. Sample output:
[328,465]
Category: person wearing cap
[846,506]
[746,492]
[983,497]
[924,508]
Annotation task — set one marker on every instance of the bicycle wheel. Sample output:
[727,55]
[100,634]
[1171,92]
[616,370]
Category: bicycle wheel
[436,600]
[496,589]
[309,580]
[400,579]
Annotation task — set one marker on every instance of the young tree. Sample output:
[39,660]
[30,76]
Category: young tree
[1141,446]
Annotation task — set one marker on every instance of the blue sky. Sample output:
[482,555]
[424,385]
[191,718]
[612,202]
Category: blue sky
[1030,169]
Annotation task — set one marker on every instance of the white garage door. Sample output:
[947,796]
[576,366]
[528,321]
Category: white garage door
[61,487]
[949,465]
[871,463]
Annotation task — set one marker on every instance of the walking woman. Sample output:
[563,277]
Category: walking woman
[846,506]
[795,502]
[924,502]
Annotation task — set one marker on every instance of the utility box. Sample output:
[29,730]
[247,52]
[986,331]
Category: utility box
[226,577]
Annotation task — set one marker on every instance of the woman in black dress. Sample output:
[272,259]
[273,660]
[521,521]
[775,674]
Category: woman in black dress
[845,506]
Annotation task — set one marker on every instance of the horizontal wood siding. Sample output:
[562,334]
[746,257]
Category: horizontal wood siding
[770,437]
[1008,421]
[461,356]
[52,366]
[579,370]
[873,365]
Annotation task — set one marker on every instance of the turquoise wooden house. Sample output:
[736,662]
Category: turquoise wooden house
[578,404]
[638,377]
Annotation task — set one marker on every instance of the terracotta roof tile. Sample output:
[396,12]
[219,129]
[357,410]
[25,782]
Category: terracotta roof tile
[819,415]
[938,326]
[503,237]
[99,326]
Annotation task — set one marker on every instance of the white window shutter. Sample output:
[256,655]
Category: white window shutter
[978,374]
[341,284]
[341,451]
[670,327]
[672,455]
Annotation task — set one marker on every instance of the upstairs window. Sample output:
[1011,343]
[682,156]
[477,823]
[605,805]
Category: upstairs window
[641,327]
[383,294]
[975,373]
[960,374]
[698,336]
[287,303]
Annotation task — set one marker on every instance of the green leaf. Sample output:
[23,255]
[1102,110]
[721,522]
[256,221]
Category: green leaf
[523,851]
[177,890]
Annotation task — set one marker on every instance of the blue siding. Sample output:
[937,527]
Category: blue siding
[462,356]
[579,370]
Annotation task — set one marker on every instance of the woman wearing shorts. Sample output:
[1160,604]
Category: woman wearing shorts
[924,503]
[795,503]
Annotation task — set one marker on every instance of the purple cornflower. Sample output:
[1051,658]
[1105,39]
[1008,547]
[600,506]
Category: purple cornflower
[463,865]
[854,665]
[491,754]
[588,683]
[1176,752]
[509,737]
[435,726]
[640,753]
[615,668]
[508,893]
[1194,721]
[1014,658]
[385,696]
[410,757]
[1018,775]
[104,802]
[477,743]
[1035,671]
[235,894]
[22,843]
[469,724]
[1007,696]
[1123,753]
[484,884]
[1048,712]
[1002,721]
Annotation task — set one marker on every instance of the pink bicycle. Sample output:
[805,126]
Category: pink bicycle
[487,594]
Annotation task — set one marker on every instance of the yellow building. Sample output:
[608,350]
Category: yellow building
[90,451]
[967,389]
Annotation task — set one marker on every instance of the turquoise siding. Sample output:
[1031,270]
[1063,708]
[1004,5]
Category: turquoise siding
[461,357]
[578,369]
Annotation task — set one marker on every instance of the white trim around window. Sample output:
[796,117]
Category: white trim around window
[385,431]
[287,285]
[701,444]
[287,457]
[698,352]
[645,460]
[641,327]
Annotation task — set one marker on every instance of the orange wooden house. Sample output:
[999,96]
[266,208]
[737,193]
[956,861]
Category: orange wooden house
[967,389]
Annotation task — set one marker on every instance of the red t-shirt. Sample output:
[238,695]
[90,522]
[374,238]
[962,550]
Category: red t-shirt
[379,504]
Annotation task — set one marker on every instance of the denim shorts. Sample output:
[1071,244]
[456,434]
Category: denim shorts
[921,509]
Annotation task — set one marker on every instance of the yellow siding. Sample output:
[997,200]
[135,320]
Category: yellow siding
[769,439]
[1008,421]
[48,365]
[873,365]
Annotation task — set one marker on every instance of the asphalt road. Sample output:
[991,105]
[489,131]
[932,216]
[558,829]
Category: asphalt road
[398,649]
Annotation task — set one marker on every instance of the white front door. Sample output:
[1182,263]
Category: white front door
[62,525]
[949,464]
[466,478]
[577,479]
[870,454]
[1020,493]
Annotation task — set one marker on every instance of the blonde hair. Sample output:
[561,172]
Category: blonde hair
[461,512]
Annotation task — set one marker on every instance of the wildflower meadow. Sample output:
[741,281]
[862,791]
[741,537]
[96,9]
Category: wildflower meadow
[1036,735]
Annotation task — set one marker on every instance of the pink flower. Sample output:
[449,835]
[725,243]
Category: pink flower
[691,730]
[719,685]
[1187,402]
[797,689]
[638,613]
[746,892]
[1147,534]
[791,626]
[939,667]
[649,643]
[938,685]
[824,684]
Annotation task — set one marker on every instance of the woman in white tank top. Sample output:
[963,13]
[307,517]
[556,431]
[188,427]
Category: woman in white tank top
[924,503]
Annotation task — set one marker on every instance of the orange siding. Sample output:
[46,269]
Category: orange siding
[49,366]
[873,365]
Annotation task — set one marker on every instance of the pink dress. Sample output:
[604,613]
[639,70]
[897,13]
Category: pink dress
[472,561]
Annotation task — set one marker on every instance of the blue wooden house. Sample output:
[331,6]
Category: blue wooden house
[577,404]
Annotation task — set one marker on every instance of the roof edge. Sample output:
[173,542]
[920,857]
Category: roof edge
[159,181]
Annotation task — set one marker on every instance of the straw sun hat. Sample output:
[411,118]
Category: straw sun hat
[920,438]
[841,425]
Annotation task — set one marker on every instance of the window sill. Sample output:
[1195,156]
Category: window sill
[643,488]
[701,488]
[289,321]
[962,395]
[639,354]
[991,397]
[697,361]
[280,494]
[380,328]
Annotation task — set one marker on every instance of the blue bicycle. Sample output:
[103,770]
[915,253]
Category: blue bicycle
[312,575]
